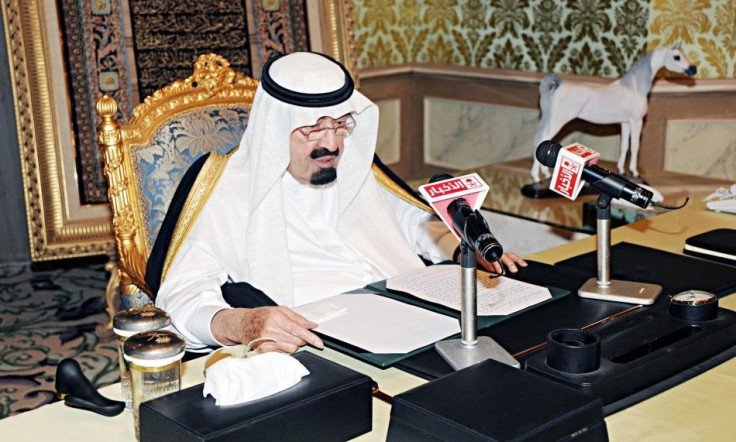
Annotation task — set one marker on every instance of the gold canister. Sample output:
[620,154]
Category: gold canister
[154,359]
[127,323]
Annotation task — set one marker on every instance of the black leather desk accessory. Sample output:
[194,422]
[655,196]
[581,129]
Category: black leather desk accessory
[528,329]
[717,245]
[491,401]
[637,352]
[77,391]
[332,403]
[558,292]
[675,273]
[573,350]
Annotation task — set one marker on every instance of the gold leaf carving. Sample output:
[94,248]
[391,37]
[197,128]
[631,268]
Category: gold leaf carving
[212,77]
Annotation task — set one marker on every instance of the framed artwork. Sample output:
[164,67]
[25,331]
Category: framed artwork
[64,55]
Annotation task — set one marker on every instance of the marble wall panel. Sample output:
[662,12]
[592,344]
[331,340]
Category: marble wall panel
[462,135]
[705,148]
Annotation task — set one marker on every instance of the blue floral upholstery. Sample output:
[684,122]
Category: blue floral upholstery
[175,145]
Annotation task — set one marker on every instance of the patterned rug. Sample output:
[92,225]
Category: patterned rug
[46,316]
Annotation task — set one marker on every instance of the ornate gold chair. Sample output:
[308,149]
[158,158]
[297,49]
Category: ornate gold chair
[146,158]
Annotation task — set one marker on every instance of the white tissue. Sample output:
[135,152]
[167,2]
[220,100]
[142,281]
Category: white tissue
[237,380]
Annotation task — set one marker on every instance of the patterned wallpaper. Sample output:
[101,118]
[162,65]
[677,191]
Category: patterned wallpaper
[707,29]
[585,37]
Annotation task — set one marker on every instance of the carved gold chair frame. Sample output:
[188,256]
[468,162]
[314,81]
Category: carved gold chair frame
[213,84]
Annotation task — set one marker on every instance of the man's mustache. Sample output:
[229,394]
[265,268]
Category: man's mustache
[322,152]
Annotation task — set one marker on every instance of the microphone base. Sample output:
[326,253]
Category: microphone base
[630,292]
[540,189]
[460,356]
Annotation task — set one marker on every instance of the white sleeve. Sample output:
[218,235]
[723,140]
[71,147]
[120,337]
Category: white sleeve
[191,295]
[425,232]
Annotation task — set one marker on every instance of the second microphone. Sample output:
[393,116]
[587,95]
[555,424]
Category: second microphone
[471,226]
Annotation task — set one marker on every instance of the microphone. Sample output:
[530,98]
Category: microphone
[469,223]
[604,180]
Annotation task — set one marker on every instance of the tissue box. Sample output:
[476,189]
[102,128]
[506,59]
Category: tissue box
[491,401]
[331,403]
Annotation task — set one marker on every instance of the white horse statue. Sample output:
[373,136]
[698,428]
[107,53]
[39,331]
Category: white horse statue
[623,101]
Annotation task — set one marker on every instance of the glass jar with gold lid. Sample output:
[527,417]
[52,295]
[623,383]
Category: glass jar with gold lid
[127,323]
[154,358]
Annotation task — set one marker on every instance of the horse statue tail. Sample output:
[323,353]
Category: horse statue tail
[547,87]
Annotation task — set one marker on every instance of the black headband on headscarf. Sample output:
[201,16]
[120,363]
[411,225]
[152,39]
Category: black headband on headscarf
[304,99]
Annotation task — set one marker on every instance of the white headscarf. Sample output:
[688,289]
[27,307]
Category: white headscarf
[249,199]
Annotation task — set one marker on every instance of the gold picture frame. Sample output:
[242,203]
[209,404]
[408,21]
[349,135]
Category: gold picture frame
[59,225]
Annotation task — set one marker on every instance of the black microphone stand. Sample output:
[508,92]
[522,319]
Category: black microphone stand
[471,349]
[603,287]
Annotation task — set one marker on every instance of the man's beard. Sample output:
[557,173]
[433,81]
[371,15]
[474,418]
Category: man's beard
[326,175]
[323,176]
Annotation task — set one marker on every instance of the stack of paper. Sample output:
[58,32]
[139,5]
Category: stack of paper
[496,296]
[378,324]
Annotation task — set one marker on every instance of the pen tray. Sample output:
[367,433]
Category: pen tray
[642,349]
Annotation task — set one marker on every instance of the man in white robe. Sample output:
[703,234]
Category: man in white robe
[297,214]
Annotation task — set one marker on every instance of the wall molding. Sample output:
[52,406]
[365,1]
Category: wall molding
[660,85]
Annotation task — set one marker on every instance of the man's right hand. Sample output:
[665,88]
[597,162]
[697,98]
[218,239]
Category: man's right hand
[289,330]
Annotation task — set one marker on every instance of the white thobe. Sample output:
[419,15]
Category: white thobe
[322,262]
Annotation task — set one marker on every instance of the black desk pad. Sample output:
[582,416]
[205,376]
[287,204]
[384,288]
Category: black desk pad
[675,273]
[638,351]
[530,328]
[712,242]
[384,360]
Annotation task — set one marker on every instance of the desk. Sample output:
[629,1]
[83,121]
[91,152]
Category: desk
[702,408]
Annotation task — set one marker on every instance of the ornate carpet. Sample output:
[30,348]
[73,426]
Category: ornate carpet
[46,316]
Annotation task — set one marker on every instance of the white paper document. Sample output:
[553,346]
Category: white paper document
[378,324]
[496,296]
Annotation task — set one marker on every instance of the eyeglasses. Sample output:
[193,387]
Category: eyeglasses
[342,129]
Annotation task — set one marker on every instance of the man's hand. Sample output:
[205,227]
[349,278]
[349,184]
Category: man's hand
[510,260]
[288,329]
